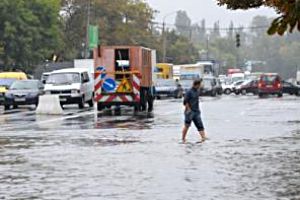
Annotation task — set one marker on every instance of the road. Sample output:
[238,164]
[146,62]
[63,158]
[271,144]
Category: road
[253,152]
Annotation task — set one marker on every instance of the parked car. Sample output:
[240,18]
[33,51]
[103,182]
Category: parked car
[73,85]
[6,79]
[4,86]
[249,86]
[186,85]
[290,88]
[168,88]
[219,87]
[237,87]
[269,84]
[229,88]
[209,87]
[23,92]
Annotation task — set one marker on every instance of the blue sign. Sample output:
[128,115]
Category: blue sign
[103,70]
[109,85]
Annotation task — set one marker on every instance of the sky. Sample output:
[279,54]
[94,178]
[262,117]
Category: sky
[207,9]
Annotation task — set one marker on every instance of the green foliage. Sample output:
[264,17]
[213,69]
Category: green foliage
[121,22]
[180,49]
[289,12]
[29,31]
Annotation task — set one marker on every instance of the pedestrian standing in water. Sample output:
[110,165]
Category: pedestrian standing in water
[192,111]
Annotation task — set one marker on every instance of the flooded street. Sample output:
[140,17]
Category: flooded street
[253,152]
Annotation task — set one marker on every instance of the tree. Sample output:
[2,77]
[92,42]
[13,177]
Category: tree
[183,24]
[215,33]
[29,31]
[180,49]
[120,22]
[289,11]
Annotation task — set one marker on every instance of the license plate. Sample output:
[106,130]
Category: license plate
[20,99]
[63,100]
[269,86]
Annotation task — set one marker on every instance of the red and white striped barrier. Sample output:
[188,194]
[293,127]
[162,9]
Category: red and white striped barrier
[116,97]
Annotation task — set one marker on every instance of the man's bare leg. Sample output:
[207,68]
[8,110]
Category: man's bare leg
[203,136]
[184,133]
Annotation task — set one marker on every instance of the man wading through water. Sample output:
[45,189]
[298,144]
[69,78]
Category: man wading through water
[192,111]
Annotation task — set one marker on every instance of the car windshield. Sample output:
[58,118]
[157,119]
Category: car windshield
[238,83]
[269,79]
[166,83]
[24,85]
[186,83]
[6,82]
[235,79]
[63,78]
[189,76]
[207,82]
[247,82]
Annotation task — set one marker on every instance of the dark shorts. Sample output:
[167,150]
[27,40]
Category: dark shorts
[195,117]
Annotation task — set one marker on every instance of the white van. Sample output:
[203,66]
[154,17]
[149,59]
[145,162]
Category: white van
[73,85]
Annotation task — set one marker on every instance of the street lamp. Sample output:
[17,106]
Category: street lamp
[164,35]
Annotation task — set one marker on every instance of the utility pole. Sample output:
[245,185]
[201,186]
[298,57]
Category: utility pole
[164,41]
[207,47]
[86,50]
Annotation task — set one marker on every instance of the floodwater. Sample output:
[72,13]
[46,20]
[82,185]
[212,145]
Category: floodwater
[253,152]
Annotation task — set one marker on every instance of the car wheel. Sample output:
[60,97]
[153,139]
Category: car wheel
[91,103]
[227,91]
[298,93]
[237,92]
[244,92]
[213,93]
[279,95]
[81,104]
[180,95]
[15,107]
[6,107]
[260,95]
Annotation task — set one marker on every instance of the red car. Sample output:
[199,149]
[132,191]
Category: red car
[269,83]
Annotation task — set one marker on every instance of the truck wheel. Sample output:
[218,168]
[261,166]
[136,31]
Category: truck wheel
[100,107]
[81,104]
[227,91]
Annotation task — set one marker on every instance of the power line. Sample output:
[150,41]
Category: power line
[221,29]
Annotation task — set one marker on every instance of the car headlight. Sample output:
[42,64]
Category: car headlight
[8,95]
[75,91]
[32,94]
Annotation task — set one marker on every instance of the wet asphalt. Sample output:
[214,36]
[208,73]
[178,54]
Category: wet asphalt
[253,152]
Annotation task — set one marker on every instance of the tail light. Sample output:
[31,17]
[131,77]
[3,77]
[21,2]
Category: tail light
[261,84]
[278,85]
